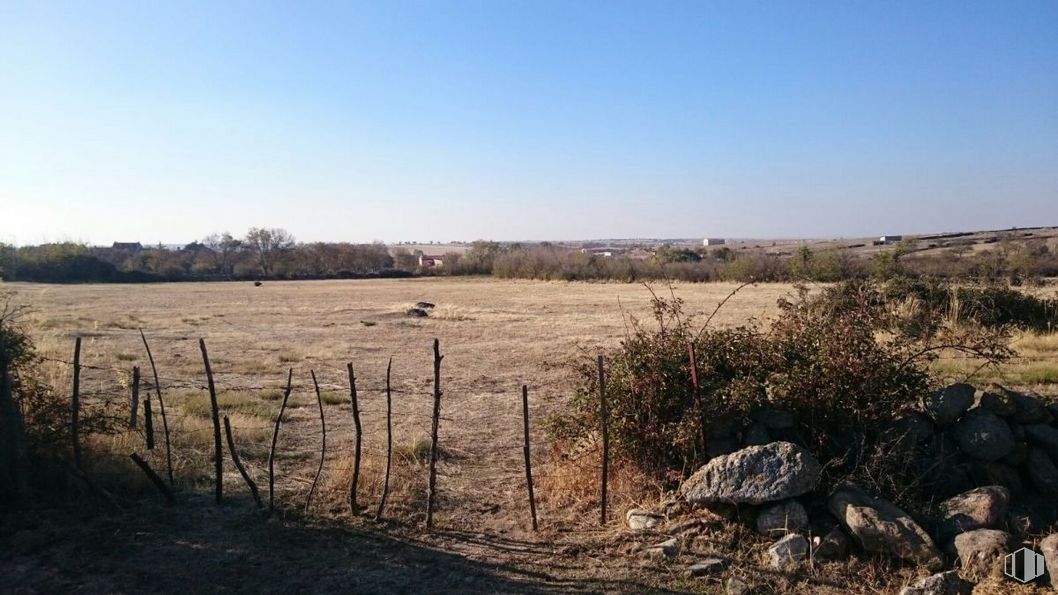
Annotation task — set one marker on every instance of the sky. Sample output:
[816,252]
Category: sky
[510,120]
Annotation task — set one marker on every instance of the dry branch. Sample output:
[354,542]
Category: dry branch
[323,445]
[161,407]
[275,438]
[389,441]
[238,464]
[218,464]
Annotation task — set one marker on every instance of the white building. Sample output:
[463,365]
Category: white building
[713,242]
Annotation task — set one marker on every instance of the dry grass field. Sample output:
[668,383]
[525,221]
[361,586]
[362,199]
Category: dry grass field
[495,336]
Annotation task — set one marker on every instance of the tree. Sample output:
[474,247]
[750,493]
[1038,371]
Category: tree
[225,250]
[268,245]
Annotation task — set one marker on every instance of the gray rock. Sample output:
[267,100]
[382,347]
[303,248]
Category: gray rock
[668,548]
[985,473]
[782,518]
[983,435]
[1042,472]
[1044,436]
[944,583]
[881,527]
[1049,549]
[756,434]
[947,404]
[754,475]
[706,567]
[981,551]
[833,545]
[642,520]
[788,551]
[980,508]
[773,419]
[736,586]
[1031,409]
[996,398]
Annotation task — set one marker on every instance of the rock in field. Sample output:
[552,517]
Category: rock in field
[782,518]
[668,548]
[706,567]
[642,520]
[981,551]
[980,508]
[947,404]
[996,398]
[1049,549]
[882,528]
[754,475]
[983,435]
[788,551]
[944,583]
[1042,472]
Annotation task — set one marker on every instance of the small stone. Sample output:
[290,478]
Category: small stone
[834,545]
[979,508]
[668,548]
[983,435]
[788,551]
[782,518]
[981,551]
[642,520]
[947,404]
[944,583]
[706,567]
[1049,549]
[736,586]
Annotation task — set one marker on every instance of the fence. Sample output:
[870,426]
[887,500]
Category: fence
[119,396]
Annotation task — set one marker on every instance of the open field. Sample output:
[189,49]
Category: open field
[495,336]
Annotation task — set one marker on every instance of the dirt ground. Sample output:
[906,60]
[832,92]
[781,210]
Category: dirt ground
[495,336]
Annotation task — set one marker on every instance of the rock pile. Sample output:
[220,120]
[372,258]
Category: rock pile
[996,452]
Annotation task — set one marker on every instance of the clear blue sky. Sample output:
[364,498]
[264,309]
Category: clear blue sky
[525,120]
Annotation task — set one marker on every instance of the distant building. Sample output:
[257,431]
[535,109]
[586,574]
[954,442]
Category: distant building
[598,251]
[128,246]
[431,261]
[714,242]
[889,239]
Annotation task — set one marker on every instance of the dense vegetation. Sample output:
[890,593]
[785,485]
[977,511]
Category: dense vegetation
[847,361]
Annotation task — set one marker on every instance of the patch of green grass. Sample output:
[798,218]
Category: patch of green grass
[331,397]
[1039,373]
[271,394]
[197,404]
[126,357]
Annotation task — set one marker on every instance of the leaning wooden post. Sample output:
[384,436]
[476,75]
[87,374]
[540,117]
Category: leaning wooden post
[157,481]
[389,441]
[437,357]
[525,450]
[693,357]
[238,464]
[218,463]
[75,405]
[134,408]
[148,423]
[603,417]
[275,438]
[161,407]
[359,432]
[323,445]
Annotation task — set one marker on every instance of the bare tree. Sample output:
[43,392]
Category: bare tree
[267,245]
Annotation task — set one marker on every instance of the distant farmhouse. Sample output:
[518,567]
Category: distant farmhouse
[714,242]
[431,261]
[598,251]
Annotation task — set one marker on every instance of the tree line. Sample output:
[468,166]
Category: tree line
[273,253]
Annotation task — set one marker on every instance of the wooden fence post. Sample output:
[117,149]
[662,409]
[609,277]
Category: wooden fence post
[161,407]
[389,441]
[693,357]
[134,408]
[323,445]
[525,449]
[437,357]
[75,405]
[238,464]
[148,423]
[218,463]
[275,438]
[157,481]
[359,432]
[604,415]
